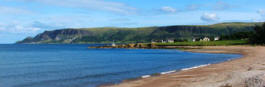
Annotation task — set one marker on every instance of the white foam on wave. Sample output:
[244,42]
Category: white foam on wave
[146,76]
[195,67]
[168,72]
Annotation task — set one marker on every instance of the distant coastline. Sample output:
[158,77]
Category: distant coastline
[138,35]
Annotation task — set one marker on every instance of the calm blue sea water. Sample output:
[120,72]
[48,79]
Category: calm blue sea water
[78,66]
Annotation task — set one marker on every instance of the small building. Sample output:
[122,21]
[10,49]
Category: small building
[193,39]
[205,39]
[216,38]
[159,41]
[162,41]
[170,41]
[113,44]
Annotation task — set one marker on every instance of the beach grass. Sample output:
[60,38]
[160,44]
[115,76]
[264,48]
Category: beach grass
[202,43]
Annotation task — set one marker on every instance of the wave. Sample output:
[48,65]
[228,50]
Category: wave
[173,71]
[168,72]
[145,76]
[195,67]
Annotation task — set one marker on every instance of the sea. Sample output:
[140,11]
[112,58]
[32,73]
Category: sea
[76,65]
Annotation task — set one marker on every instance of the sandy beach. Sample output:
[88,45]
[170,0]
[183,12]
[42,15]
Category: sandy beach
[248,71]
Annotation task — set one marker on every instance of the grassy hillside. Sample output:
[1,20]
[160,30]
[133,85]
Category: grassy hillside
[145,34]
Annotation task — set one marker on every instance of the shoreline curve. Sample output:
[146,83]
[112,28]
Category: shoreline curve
[231,73]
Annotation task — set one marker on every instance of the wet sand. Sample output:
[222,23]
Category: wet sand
[248,71]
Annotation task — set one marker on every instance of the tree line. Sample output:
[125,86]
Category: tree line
[253,37]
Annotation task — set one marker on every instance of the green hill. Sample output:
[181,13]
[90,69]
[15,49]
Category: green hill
[144,34]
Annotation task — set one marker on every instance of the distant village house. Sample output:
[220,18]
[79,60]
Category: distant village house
[113,44]
[216,38]
[163,41]
[205,39]
[170,41]
[193,39]
[158,41]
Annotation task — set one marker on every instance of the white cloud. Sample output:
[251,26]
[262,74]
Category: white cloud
[221,6]
[193,7]
[112,6]
[46,26]
[11,10]
[168,9]
[209,17]
[261,12]
[18,28]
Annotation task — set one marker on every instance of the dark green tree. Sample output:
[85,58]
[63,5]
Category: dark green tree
[259,35]
[238,36]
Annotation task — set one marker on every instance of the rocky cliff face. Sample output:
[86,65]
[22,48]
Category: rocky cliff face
[57,36]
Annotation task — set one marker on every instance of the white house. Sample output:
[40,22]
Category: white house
[170,41]
[194,40]
[113,44]
[205,39]
[217,38]
[163,41]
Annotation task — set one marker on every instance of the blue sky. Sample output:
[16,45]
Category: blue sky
[22,18]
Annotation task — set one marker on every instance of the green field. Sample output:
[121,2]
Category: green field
[210,43]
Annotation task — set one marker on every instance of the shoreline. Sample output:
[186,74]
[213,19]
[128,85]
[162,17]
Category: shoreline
[173,71]
[158,74]
[180,78]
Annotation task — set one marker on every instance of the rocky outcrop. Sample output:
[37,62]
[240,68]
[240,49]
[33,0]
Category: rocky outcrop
[137,45]
[57,36]
[147,46]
